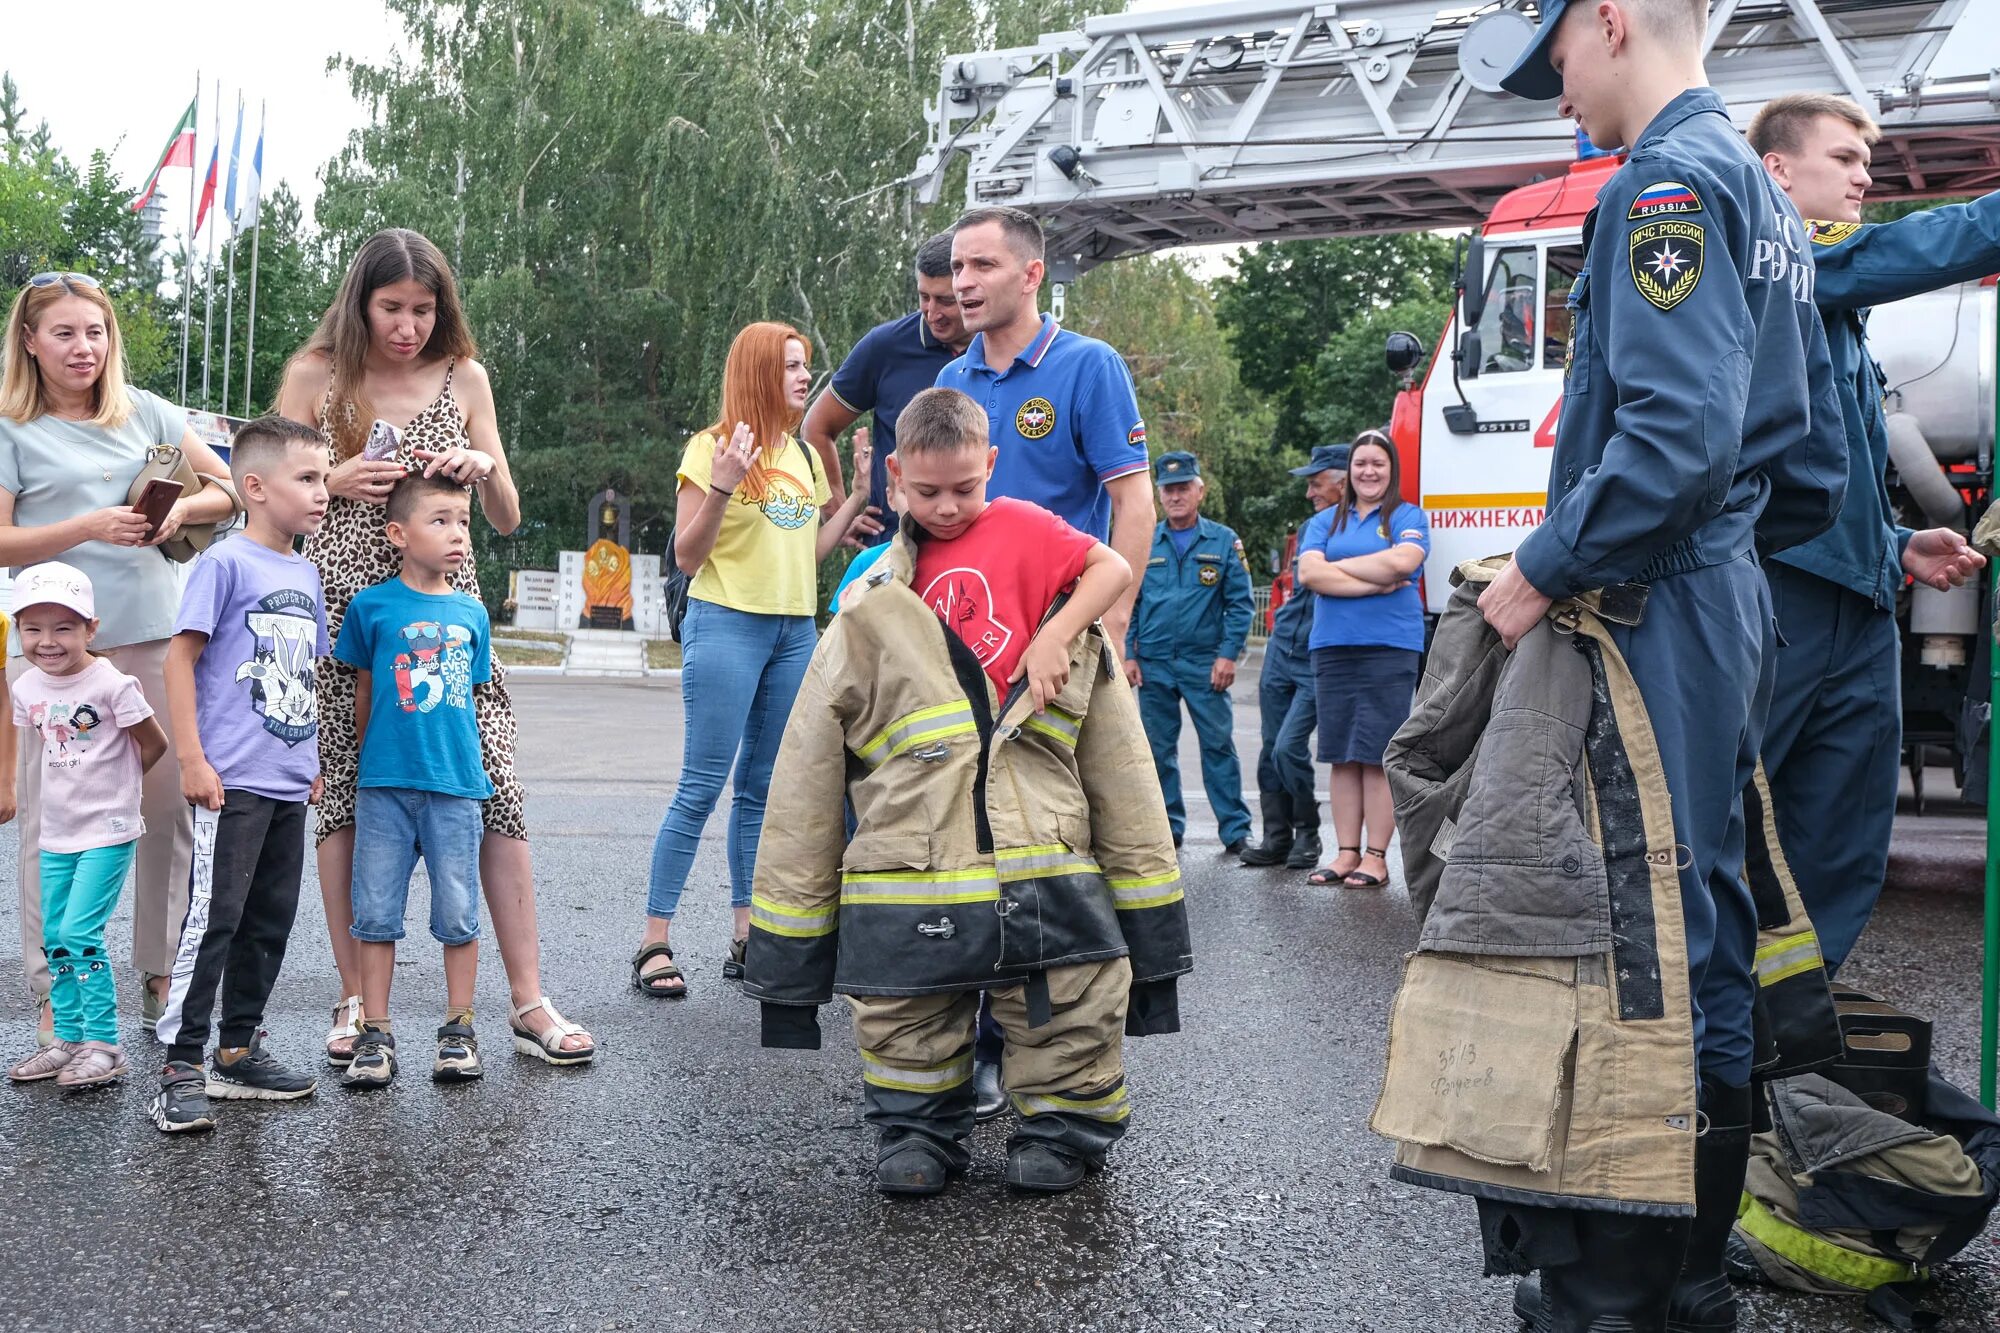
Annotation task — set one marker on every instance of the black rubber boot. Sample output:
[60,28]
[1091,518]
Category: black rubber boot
[1277,845]
[1042,1168]
[1703,1301]
[1306,850]
[989,1098]
[1621,1281]
[911,1165]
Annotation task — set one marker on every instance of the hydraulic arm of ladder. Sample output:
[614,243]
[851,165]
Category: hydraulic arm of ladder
[1256,119]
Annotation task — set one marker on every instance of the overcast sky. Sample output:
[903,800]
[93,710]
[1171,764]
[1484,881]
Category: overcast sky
[142,57]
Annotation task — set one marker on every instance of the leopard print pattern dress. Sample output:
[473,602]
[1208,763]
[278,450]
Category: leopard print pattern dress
[352,552]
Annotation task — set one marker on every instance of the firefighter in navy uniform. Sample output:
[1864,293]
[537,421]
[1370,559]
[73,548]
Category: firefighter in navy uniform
[1285,702]
[1832,745]
[1189,626]
[1699,432]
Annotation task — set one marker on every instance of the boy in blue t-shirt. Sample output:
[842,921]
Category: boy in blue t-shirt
[242,693]
[419,646]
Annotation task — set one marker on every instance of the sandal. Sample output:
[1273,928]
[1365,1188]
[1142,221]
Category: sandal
[666,981]
[46,1062]
[547,1045]
[1326,876]
[93,1064]
[346,1027]
[45,1022]
[152,1003]
[739,951]
[1355,879]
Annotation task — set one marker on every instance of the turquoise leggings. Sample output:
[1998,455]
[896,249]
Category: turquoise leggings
[79,892]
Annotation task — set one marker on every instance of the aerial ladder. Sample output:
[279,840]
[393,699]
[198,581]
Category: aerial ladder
[1265,120]
[1262,119]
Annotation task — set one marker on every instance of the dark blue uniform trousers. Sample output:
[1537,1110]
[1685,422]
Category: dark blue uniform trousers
[1168,682]
[1832,748]
[1703,660]
[1284,758]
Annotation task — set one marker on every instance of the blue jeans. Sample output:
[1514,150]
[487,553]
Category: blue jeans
[79,891]
[390,824]
[740,672]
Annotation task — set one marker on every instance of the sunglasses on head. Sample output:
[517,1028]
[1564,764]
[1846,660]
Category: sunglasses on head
[51,279]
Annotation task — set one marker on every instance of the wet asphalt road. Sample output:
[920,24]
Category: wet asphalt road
[691,1179]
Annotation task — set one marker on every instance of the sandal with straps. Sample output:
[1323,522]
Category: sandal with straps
[547,1045]
[1354,879]
[1325,877]
[95,1063]
[46,1062]
[665,981]
[345,1029]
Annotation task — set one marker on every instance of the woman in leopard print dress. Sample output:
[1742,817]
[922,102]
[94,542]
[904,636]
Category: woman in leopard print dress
[394,345]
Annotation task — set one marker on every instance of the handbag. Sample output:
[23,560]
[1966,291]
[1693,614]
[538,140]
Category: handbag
[169,462]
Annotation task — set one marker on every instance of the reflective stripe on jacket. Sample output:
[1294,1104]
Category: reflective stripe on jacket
[992,842]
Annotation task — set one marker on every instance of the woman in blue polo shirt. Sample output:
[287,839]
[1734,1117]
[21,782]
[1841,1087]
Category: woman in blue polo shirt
[1360,559]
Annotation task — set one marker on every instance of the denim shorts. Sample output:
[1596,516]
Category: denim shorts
[390,825]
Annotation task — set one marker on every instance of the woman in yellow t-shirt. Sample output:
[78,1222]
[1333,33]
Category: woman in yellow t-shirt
[751,525]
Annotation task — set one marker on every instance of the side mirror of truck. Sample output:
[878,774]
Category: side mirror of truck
[1472,282]
[1470,353]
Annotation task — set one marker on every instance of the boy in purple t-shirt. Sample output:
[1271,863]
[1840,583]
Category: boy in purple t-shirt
[241,691]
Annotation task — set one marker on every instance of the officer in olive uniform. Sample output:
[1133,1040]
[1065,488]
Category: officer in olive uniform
[1700,433]
[1188,629]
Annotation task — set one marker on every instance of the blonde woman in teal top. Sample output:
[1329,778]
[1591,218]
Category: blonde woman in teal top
[73,437]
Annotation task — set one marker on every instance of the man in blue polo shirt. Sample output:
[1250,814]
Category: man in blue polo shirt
[1061,407]
[892,364]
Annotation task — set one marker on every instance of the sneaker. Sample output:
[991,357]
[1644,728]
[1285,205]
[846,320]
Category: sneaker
[374,1063]
[181,1105]
[732,970]
[256,1075]
[457,1051]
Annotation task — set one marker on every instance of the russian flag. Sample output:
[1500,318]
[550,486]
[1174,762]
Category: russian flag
[207,187]
[1666,197]
[253,185]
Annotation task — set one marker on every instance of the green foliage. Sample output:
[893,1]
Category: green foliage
[1162,319]
[1286,300]
[1351,387]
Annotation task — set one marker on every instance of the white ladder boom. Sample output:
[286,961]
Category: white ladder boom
[1259,119]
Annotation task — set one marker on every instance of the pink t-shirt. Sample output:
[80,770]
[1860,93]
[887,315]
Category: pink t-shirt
[90,763]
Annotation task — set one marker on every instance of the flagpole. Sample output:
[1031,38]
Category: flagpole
[187,259]
[229,300]
[208,298]
[256,235]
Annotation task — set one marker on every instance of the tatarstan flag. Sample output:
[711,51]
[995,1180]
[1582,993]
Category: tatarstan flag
[179,152]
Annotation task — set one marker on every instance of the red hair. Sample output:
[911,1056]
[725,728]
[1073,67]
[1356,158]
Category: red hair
[753,392]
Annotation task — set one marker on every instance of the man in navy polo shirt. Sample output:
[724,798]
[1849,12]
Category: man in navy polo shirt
[892,364]
[1061,407]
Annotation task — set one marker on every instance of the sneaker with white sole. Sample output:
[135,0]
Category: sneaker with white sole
[256,1075]
[181,1104]
[374,1063]
[457,1051]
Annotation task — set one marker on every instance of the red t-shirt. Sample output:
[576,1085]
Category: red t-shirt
[993,583]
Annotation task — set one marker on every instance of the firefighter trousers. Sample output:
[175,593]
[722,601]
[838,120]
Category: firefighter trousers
[1066,1077]
[1702,658]
[1832,748]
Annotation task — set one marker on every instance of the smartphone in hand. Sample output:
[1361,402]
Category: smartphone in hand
[155,502]
[383,442]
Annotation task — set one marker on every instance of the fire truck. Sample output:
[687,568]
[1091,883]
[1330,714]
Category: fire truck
[1257,121]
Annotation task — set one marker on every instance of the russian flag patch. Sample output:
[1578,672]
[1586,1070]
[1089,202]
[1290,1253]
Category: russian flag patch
[1666,197]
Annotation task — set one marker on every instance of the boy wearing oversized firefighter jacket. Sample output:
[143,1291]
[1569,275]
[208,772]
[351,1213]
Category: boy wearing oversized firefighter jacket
[1009,831]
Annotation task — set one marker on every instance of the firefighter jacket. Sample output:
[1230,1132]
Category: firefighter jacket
[1541,1046]
[991,842]
[1698,413]
[1860,265]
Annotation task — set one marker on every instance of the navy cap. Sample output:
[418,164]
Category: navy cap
[1177,466]
[1325,458]
[1532,76]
